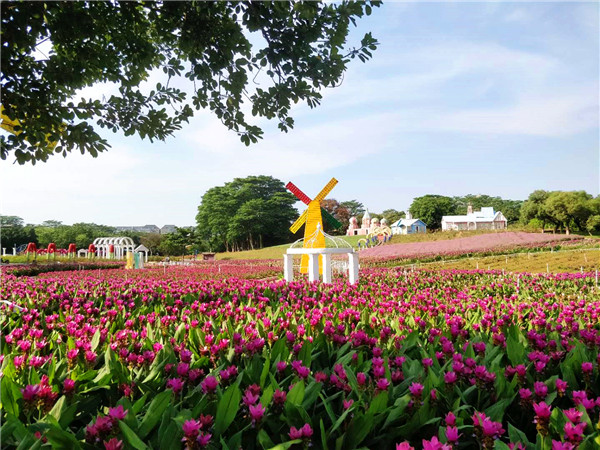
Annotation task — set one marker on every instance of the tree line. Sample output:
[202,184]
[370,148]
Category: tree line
[559,210]
[15,233]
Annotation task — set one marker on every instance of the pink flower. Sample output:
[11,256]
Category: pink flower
[90,357]
[542,410]
[435,444]
[30,393]
[383,384]
[450,377]
[561,386]
[191,429]
[404,446]
[249,398]
[257,412]
[279,397]
[117,413]
[573,415]
[183,369]
[203,439]
[361,378]
[175,384]
[450,419]
[587,367]
[281,366]
[541,390]
[574,433]
[416,389]
[68,386]
[348,403]
[556,445]
[452,434]
[113,444]
[307,431]
[209,385]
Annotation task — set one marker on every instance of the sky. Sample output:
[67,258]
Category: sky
[460,98]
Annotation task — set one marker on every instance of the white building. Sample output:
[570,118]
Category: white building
[486,219]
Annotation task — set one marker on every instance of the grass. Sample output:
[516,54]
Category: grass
[587,259]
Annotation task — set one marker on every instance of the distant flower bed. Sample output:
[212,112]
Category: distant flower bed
[480,245]
[31,270]
[164,358]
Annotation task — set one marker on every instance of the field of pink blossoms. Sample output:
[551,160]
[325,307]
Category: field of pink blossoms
[186,358]
[491,242]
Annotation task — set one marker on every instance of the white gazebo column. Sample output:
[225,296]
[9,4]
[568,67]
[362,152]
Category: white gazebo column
[288,267]
[326,268]
[3,251]
[313,267]
[353,268]
[14,251]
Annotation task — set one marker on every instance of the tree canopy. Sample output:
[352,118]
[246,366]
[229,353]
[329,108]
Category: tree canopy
[246,213]
[431,208]
[568,210]
[234,56]
[511,209]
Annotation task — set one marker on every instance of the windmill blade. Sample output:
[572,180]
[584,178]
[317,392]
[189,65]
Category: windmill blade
[298,193]
[326,190]
[299,222]
[330,219]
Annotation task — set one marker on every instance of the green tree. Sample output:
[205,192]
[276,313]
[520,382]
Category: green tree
[570,209]
[302,48]
[355,207]
[341,213]
[391,215]
[246,213]
[183,241]
[13,233]
[510,208]
[431,208]
[533,208]
[152,241]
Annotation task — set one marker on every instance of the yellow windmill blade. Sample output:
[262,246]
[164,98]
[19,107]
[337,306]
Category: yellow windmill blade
[326,190]
[299,222]
[9,125]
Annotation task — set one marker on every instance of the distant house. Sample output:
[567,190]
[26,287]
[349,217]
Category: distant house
[486,219]
[408,226]
[140,229]
[167,229]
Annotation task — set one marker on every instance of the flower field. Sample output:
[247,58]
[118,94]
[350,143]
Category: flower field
[190,358]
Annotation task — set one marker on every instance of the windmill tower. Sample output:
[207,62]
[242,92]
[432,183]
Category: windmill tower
[313,218]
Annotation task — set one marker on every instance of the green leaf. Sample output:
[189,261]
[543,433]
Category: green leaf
[516,435]
[58,408]
[265,398]
[296,395]
[379,403]
[397,410]
[514,348]
[265,373]
[286,445]
[131,438]
[60,438]
[154,413]
[10,396]
[95,339]
[311,394]
[358,430]
[227,409]
[496,411]
[265,440]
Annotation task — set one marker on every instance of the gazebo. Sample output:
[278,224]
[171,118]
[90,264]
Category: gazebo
[121,245]
[319,258]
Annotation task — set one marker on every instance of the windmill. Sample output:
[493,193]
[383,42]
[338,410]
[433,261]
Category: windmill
[313,218]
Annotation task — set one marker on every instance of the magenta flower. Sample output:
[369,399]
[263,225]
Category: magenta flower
[573,415]
[541,390]
[348,403]
[416,389]
[435,444]
[295,433]
[113,444]
[209,385]
[279,397]
[203,439]
[452,434]
[249,398]
[307,431]
[574,433]
[117,413]
[542,410]
[30,393]
[257,412]
[183,369]
[450,419]
[404,446]
[175,384]
[450,377]
[561,386]
[587,367]
[68,386]
[281,366]
[191,429]
[383,384]
[361,378]
[556,445]
[90,357]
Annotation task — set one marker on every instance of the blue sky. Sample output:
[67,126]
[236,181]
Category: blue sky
[460,98]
